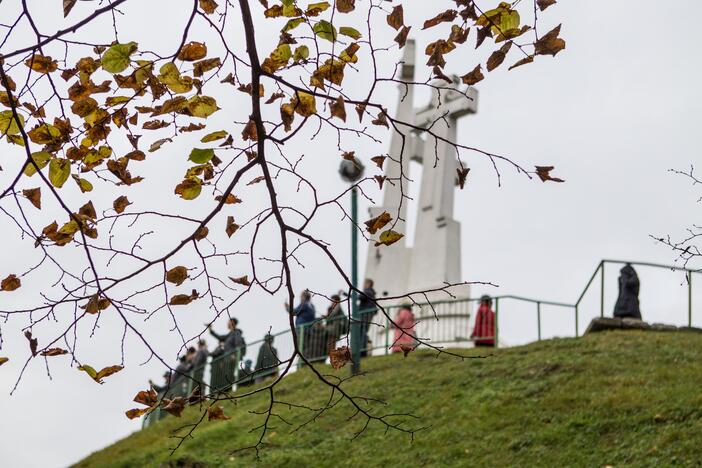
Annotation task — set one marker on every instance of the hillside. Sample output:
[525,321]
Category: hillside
[615,398]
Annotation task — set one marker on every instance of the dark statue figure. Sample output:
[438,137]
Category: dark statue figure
[628,301]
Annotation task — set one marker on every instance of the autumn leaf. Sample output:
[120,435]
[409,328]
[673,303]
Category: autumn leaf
[177,275]
[189,189]
[3,360]
[345,6]
[136,412]
[445,17]
[375,224]
[379,160]
[338,109]
[396,18]
[523,61]
[34,196]
[120,204]
[59,170]
[462,173]
[401,37]
[544,173]
[54,352]
[473,77]
[42,64]
[208,6]
[96,304]
[192,51]
[216,413]
[243,280]
[201,233]
[389,237]
[339,357]
[250,132]
[68,6]
[543,4]
[174,406]
[9,125]
[325,30]
[214,136]
[146,397]
[184,299]
[33,342]
[117,58]
[497,57]
[550,44]
[98,376]
[232,227]
[11,283]
[202,106]
[406,349]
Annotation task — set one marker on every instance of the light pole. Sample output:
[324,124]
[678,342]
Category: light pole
[352,171]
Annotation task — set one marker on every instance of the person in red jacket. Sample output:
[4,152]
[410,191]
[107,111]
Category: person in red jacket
[484,330]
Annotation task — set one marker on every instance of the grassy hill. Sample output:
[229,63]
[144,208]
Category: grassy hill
[615,398]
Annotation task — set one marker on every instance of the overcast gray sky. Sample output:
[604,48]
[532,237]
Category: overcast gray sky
[613,112]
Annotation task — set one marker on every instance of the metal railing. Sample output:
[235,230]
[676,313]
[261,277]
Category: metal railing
[225,372]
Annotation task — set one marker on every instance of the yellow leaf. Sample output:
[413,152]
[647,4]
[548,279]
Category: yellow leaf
[41,63]
[202,106]
[192,51]
[389,237]
[59,170]
[117,58]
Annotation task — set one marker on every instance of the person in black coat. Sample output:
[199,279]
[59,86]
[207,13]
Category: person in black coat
[267,360]
[627,305]
[367,310]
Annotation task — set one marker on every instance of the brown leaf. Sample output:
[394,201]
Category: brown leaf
[96,304]
[120,204]
[3,360]
[523,61]
[243,280]
[232,227]
[146,397]
[401,37]
[498,57]
[41,63]
[445,17]
[216,412]
[406,349]
[230,200]
[483,33]
[473,77]
[177,275]
[201,233]
[379,160]
[192,51]
[339,357]
[68,6]
[256,180]
[345,6]
[360,110]
[550,44]
[184,299]
[136,412]
[174,406]
[208,6]
[10,283]
[33,342]
[462,176]
[380,180]
[396,18]
[88,211]
[381,120]
[34,196]
[543,4]
[98,376]
[338,109]
[54,352]
[250,132]
[544,173]
[375,224]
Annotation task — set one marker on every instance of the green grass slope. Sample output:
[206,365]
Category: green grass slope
[616,398]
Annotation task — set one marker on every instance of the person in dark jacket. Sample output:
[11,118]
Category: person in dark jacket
[336,322]
[233,349]
[199,363]
[246,375]
[267,361]
[305,315]
[367,310]
[627,305]
[181,376]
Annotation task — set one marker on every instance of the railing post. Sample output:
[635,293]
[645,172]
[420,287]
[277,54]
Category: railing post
[387,335]
[236,369]
[689,299]
[538,318]
[300,344]
[497,322]
[576,321]
[602,287]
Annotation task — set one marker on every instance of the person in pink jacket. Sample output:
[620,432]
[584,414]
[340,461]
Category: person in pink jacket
[404,329]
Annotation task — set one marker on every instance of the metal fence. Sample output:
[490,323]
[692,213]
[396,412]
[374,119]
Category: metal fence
[439,323]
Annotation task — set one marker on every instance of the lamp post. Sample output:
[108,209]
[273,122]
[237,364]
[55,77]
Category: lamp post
[351,171]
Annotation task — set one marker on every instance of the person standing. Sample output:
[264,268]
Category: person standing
[404,329]
[199,362]
[336,322]
[627,305]
[234,349]
[305,315]
[267,361]
[367,310]
[484,329]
